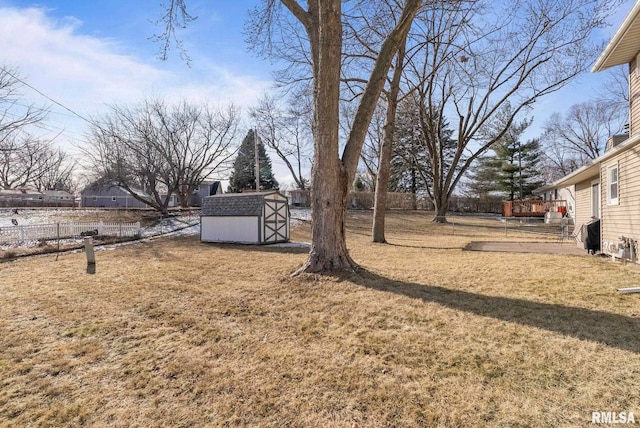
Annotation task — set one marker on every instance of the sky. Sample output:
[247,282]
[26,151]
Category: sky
[86,57]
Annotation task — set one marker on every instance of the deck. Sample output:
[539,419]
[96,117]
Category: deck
[533,207]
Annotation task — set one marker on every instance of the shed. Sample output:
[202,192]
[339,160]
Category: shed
[247,218]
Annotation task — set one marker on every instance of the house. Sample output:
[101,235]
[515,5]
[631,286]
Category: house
[21,197]
[206,188]
[57,196]
[23,193]
[247,218]
[608,188]
[173,199]
[111,196]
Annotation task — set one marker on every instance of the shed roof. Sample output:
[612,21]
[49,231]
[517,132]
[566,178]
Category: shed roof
[234,204]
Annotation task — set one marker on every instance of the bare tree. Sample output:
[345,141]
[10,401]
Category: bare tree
[386,149]
[615,89]
[22,160]
[370,155]
[581,135]
[161,149]
[14,115]
[56,171]
[482,58]
[332,174]
[21,154]
[286,133]
[175,17]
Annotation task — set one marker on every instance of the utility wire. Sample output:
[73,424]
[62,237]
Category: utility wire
[4,70]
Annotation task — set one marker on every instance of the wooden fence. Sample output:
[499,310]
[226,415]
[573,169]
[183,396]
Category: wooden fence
[18,235]
[406,201]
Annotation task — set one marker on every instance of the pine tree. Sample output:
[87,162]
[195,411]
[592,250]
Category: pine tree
[512,170]
[243,176]
[483,178]
[411,165]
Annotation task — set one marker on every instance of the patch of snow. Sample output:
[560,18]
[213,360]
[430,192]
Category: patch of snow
[183,225]
[299,215]
[26,216]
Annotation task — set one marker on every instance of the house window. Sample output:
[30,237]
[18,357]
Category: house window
[612,185]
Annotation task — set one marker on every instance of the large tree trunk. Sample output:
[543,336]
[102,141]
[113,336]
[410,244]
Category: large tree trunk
[331,175]
[386,151]
[441,203]
[328,205]
[441,215]
[329,182]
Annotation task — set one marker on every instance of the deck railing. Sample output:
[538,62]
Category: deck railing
[533,207]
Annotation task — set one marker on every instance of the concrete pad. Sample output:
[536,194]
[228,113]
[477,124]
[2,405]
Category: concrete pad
[527,247]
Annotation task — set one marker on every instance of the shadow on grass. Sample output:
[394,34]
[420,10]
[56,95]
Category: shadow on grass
[614,330]
[193,242]
[423,247]
[259,248]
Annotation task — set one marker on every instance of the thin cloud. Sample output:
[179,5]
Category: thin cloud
[86,72]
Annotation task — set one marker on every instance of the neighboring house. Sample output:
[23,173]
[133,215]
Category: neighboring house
[247,218]
[57,195]
[206,188]
[173,199]
[21,193]
[111,196]
[608,188]
[26,197]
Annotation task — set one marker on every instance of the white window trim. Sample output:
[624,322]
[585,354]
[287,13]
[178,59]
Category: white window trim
[610,200]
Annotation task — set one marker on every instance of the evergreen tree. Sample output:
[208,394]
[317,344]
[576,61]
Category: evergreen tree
[243,176]
[513,170]
[411,168]
[483,178]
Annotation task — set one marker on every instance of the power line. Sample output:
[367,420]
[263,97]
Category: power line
[4,70]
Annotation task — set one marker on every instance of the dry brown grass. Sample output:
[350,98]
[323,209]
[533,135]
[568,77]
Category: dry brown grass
[180,333]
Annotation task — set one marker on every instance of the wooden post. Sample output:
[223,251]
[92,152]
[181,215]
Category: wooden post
[88,249]
[58,236]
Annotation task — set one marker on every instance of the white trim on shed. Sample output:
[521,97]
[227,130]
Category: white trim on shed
[246,218]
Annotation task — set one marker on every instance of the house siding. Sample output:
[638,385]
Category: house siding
[104,197]
[622,219]
[583,203]
[634,97]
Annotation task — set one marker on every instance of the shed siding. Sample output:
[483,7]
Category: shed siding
[230,229]
[634,98]
[622,219]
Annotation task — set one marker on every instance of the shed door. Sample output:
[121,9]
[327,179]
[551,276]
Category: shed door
[276,222]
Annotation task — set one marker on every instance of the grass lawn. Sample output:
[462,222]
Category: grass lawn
[179,333]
